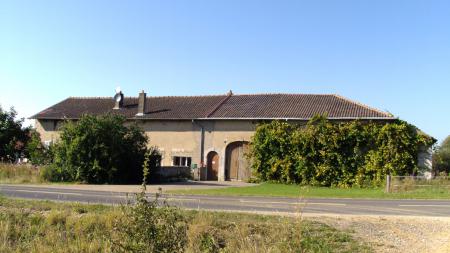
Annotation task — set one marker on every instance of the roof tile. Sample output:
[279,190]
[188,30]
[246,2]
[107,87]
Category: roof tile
[254,106]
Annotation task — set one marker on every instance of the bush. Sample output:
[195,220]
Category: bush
[38,153]
[149,227]
[53,173]
[441,158]
[100,150]
[145,227]
[342,154]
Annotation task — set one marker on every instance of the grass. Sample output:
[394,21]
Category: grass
[23,174]
[19,174]
[295,191]
[43,226]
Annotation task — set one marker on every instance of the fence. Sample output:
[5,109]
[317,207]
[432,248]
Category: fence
[411,183]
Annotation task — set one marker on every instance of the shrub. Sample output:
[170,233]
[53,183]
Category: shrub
[100,150]
[53,173]
[145,227]
[148,226]
[342,154]
[38,153]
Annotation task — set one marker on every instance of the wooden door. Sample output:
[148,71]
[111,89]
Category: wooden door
[213,165]
[236,163]
[244,166]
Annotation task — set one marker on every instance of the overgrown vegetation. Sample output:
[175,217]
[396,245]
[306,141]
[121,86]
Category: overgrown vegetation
[42,226]
[38,153]
[441,158]
[19,174]
[13,136]
[95,149]
[324,153]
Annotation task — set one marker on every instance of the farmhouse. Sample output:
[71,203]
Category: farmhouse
[210,132]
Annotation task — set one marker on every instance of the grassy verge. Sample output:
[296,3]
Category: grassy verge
[43,226]
[282,190]
[23,174]
[19,174]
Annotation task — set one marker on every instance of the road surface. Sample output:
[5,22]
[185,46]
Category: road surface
[316,206]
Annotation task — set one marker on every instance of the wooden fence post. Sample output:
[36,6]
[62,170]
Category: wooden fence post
[388,183]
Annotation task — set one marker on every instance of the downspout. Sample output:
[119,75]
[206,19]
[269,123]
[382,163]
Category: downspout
[202,149]
[202,129]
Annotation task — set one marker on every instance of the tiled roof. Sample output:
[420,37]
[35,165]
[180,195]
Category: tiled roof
[255,106]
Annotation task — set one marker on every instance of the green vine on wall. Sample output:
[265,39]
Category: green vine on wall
[343,154]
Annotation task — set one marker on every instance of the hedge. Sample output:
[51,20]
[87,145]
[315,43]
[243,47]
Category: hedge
[342,154]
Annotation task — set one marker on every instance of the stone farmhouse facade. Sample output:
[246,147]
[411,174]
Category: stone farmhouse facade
[209,132]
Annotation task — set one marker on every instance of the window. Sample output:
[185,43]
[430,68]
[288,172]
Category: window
[182,161]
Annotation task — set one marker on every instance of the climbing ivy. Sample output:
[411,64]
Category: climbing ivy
[343,154]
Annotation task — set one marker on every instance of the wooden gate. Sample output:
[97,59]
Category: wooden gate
[237,166]
[212,166]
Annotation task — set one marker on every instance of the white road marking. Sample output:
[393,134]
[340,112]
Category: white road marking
[285,203]
[326,204]
[61,193]
[71,193]
[425,205]
[175,199]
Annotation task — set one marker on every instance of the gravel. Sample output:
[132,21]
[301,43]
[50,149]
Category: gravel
[396,234]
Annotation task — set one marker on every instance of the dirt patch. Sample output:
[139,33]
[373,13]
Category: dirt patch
[397,234]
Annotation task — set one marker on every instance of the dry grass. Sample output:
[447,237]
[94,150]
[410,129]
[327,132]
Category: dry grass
[19,174]
[43,226]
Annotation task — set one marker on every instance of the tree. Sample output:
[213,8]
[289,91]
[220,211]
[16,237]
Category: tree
[13,136]
[100,150]
[441,157]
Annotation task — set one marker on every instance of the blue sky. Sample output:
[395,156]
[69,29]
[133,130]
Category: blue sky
[392,55]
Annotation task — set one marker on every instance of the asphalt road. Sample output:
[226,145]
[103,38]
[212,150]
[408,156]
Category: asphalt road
[431,208]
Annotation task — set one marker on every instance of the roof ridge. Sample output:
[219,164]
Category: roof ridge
[104,97]
[189,96]
[363,105]
[212,95]
[76,97]
[281,93]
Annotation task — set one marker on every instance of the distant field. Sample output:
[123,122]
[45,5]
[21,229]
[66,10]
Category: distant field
[43,226]
[296,191]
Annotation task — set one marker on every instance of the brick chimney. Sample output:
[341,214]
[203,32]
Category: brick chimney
[141,103]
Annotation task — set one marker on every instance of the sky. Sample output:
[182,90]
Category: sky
[391,55]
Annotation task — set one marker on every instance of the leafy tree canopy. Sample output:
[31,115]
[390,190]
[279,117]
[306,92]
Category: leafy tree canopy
[13,136]
[99,150]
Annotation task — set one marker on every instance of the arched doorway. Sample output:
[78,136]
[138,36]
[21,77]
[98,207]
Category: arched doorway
[236,164]
[212,165]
